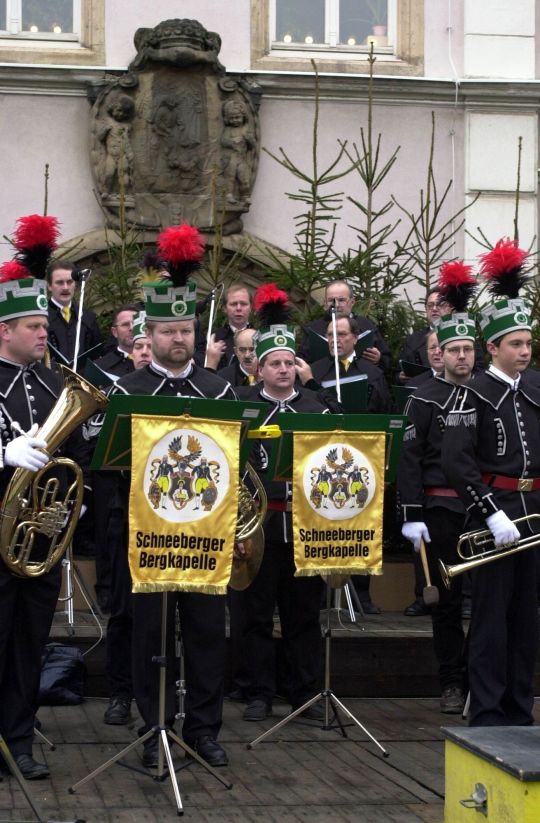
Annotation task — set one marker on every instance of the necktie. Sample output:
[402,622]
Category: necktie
[251,379]
[345,364]
[66,313]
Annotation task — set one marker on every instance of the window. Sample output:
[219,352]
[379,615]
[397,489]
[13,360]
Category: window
[341,25]
[40,19]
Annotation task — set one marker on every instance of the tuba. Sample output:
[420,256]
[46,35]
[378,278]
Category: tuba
[37,520]
[249,530]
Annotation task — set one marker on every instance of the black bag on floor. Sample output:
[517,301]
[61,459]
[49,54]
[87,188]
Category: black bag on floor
[63,676]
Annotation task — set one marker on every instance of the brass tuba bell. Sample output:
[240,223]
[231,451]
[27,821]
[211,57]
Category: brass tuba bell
[34,517]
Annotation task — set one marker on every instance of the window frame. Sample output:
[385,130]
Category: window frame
[405,59]
[14,30]
[86,47]
[331,33]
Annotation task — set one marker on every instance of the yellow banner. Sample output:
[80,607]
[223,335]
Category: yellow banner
[183,503]
[338,491]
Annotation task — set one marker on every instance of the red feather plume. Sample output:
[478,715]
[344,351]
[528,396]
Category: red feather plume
[501,267]
[272,305]
[181,244]
[455,274]
[13,270]
[36,230]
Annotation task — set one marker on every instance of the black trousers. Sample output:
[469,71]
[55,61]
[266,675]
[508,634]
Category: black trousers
[503,641]
[202,624]
[445,528]
[27,608]
[298,600]
[103,484]
[120,623]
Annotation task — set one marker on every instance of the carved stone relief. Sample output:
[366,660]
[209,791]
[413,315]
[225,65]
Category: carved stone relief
[175,138]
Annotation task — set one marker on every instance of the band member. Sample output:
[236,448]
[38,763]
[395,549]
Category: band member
[341,294]
[491,456]
[244,369]
[237,308]
[28,392]
[141,353]
[118,361]
[431,511]
[202,616]
[298,598]
[63,312]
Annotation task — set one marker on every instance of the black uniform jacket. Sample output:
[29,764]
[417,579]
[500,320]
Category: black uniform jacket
[320,326]
[234,375]
[414,349]
[62,335]
[495,431]
[116,362]
[27,395]
[199,383]
[379,400]
[278,523]
[225,333]
[420,462]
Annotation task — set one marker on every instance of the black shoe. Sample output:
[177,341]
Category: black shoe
[29,768]
[209,749]
[452,700]
[236,695]
[257,710]
[369,608]
[314,712]
[417,609]
[118,712]
[150,753]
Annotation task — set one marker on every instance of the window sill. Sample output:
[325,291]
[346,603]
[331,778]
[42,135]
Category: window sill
[385,64]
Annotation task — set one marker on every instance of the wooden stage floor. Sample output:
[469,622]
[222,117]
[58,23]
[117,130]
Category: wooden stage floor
[303,773]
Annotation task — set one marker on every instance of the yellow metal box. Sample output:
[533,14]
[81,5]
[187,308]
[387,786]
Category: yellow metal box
[492,774]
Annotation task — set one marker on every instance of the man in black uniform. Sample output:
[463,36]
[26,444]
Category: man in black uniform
[243,371]
[342,294]
[491,456]
[431,511]
[237,308]
[118,361]
[28,392]
[63,313]
[202,616]
[298,598]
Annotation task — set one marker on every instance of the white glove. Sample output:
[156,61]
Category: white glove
[502,528]
[24,451]
[415,532]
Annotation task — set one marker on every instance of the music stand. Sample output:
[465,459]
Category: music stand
[113,451]
[280,466]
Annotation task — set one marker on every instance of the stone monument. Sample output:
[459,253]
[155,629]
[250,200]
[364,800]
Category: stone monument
[175,138]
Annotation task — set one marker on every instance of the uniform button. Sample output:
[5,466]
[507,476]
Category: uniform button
[484,510]
[469,488]
[32,398]
[34,412]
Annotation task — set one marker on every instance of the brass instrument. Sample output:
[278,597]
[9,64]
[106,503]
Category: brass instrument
[471,548]
[34,516]
[251,513]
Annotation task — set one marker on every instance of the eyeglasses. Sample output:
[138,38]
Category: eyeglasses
[459,349]
[330,300]
[434,348]
[245,349]
[437,304]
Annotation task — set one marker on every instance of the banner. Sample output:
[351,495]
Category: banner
[338,491]
[183,503]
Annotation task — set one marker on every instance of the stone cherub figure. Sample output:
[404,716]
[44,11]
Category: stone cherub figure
[239,142]
[117,163]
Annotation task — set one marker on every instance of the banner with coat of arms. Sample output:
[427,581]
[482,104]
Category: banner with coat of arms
[183,503]
[338,491]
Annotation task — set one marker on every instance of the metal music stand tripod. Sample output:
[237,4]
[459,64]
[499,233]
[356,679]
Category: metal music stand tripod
[164,733]
[330,699]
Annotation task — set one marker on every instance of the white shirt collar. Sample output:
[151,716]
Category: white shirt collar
[166,373]
[502,376]
[277,399]
[60,305]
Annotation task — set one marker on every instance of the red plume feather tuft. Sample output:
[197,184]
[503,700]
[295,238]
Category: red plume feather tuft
[501,267]
[455,274]
[36,230]
[13,270]
[270,294]
[181,244]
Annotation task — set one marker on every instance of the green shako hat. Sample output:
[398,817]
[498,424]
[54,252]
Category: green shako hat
[502,268]
[275,333]
[457,286]
[23,292]
[139,325]
[181,249]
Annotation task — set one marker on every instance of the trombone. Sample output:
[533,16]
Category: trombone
[476,548]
